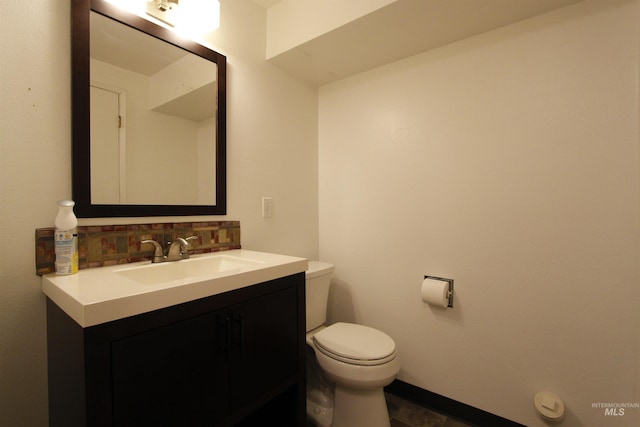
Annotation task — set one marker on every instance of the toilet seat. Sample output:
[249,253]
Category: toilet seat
[355,344]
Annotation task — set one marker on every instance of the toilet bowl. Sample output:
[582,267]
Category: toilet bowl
[357,359]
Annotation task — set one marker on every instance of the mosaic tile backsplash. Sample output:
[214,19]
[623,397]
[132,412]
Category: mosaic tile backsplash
[103,245]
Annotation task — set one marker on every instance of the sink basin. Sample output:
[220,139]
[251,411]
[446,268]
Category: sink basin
[98,295]
[151,274]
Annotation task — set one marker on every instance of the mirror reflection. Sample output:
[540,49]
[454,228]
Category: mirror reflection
[153,109]
[149,117]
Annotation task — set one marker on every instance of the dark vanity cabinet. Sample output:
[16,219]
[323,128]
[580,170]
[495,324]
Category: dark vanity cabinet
[231,359]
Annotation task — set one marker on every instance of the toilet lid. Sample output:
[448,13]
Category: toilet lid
[355,344]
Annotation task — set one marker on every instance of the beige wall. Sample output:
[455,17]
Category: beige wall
[272,151]
[508,162]
[291,23]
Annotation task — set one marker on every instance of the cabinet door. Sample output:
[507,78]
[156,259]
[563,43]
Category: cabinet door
[170,376]
[264,356]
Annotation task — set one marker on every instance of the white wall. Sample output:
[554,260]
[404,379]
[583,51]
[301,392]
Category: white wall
[272,150]
[272,134]
[291,23]
[508,162]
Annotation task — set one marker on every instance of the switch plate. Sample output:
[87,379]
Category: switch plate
[267,207]
[163,10]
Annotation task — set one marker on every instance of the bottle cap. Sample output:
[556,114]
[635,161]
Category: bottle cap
[66,203]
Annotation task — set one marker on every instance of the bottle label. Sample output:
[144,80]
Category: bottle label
[66,245]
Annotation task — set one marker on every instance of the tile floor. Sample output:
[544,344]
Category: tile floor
[406,414]
[403,413]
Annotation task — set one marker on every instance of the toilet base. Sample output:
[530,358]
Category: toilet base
[319,415]
[360,408]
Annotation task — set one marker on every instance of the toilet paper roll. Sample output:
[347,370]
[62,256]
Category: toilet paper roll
[435,292]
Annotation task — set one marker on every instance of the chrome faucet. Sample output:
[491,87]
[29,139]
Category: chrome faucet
[178,249]
[158,254]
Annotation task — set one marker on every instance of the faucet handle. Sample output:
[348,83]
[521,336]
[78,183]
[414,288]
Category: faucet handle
[179,248]
[188,240]
[158,253]
[186,244]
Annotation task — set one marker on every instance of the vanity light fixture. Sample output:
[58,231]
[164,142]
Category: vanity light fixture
[133,6]
[164,10]
[202,15]
[194,16]
[189,17]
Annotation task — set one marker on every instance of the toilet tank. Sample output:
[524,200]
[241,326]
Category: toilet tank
[318,279]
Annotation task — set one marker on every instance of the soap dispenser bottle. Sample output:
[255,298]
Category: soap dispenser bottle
[66,238]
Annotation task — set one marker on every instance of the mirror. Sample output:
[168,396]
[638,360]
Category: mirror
[149,118]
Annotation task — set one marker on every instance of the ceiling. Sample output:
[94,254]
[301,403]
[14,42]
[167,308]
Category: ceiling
[265,3]
[127,48]
[399,30]
[188,80]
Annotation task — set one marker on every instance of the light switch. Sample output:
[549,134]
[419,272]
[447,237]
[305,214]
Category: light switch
[267,207]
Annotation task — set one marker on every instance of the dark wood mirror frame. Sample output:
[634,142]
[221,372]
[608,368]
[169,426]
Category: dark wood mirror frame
[81,173]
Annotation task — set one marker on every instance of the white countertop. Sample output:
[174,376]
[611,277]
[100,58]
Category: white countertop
[99,295]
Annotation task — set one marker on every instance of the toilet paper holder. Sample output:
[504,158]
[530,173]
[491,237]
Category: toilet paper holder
[450,293]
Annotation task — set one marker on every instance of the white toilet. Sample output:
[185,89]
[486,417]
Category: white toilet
[360,360]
